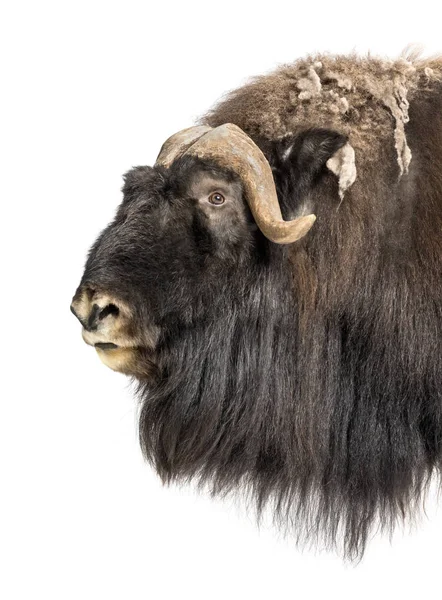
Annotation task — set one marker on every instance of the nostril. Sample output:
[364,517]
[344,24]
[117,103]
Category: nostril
[110,309]
[91,324]
[99,314]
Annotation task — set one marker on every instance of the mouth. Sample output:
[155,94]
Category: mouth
[117,357]
[105,346]
[130,360]
[127,359]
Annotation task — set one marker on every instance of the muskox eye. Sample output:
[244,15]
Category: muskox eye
[216,198]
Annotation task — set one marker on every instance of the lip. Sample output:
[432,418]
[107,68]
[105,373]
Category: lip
[105,346]
[98,341]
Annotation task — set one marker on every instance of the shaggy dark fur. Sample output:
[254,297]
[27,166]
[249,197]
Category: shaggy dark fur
[308,377]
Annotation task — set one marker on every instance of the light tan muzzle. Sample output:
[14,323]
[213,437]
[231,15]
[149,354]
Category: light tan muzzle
[107,325]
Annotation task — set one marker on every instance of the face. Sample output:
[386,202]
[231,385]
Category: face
[176,240]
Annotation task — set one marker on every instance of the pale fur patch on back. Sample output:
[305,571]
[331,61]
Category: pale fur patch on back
[393,94]
[343,165]
[310,85]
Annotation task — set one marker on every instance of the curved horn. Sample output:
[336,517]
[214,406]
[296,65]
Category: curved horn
[229,147]
[177,144]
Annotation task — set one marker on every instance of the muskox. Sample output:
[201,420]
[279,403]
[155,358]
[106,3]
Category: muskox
[273,284]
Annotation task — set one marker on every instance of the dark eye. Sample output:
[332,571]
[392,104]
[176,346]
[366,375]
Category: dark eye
[216,198]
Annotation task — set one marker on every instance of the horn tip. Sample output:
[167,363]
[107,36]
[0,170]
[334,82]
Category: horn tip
[294,230]
[305,225]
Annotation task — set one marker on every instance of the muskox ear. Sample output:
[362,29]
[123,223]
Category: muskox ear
[302,158]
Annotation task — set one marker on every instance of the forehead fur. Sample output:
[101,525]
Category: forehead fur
[185,169]
[177,178]
[141,179]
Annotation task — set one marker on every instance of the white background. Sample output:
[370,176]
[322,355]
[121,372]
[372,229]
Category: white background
[89,89]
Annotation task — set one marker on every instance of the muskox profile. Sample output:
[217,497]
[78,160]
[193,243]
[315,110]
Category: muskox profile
[274,285]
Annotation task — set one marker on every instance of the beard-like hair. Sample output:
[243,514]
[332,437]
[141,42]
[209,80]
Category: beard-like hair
[328,413]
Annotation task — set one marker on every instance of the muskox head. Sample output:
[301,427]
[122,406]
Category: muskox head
[181,247]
